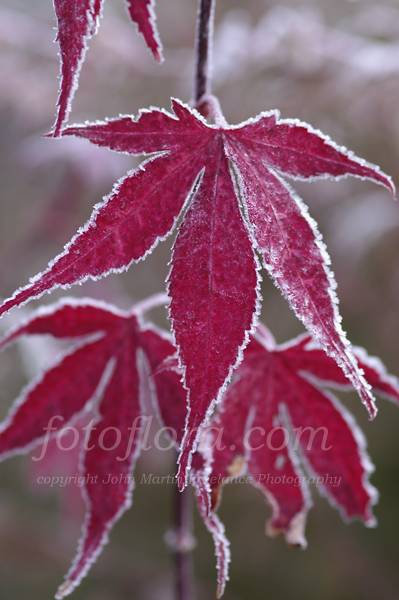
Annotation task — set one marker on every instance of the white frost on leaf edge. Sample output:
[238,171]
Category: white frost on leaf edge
[361,384]
[376,363]
[50,309]
[240,350]
[200,481]
[276,116]
[91,30]
[345,152]
[69,584]
[295,533]
[364,458]
[83,229]
[152,19]
[30,387]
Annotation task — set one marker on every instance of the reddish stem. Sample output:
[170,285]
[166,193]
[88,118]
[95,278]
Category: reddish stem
[203,49]
[184,545]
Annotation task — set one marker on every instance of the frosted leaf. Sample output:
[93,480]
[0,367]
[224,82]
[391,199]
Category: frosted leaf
[103,373]
[277,420]
[78,22]
[230,179]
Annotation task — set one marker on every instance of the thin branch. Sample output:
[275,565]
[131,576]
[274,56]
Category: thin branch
[204,48]
[181,542]
[185,546]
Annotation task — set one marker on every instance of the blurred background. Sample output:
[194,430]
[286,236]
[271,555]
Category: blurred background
[334,64]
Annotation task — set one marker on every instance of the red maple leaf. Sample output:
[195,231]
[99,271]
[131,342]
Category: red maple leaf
[105,370]
[229,179]
[277,417]
[106,373]
[78,21]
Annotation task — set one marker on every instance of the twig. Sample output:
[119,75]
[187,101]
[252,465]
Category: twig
[203,49]
[183,556]
[181,541]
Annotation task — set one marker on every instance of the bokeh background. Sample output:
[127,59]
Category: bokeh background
[334,64]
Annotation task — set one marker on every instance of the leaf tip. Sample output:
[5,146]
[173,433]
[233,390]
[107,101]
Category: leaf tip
[220,591]
[183,471]
[371,409]
[181,480]
[64,590]
[158,55]
[371,522]
[294,532]
[389,184]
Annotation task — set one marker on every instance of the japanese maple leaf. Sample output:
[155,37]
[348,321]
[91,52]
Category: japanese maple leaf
[277,414]
[105,370]
[229,180]
[78,21]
